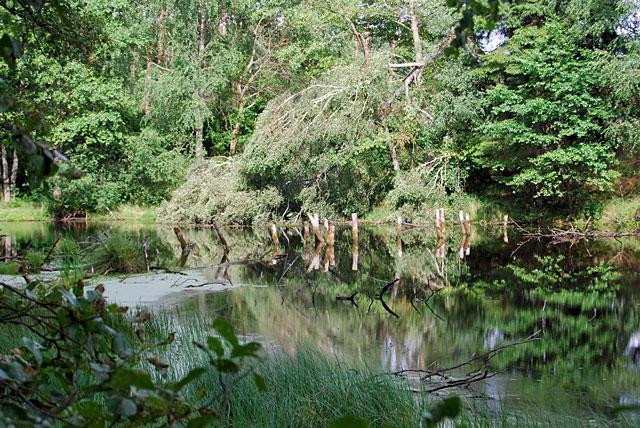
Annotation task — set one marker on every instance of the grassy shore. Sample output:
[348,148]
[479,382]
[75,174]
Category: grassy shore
[311,389]
[131,213]
[18,210]
[22,211]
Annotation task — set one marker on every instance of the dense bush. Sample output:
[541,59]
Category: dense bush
[214,191]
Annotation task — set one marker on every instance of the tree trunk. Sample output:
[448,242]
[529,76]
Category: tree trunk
[415,32]
[394,156]
[233,144]
[148,81]
[366,37]
[161,56]
[199,148]
[222,23]
[14,172]
[6,184]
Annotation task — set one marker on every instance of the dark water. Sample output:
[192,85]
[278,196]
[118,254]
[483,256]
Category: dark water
[580,298]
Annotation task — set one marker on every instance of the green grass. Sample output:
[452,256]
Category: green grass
[308,389]
[619,215]
[311,388]
[10,268]
[18,210]
[128,212]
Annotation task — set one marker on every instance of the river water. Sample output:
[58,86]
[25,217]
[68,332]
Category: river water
[453,300]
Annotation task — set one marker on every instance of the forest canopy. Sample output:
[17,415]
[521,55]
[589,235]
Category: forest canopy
[237,111]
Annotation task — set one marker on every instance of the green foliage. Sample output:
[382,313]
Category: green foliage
[446,409]
[118,254]
[545,139]
[10,268]
[214,191]
[78,364]
[132,93]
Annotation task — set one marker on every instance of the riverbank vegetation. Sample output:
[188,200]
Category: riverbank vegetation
[234,113]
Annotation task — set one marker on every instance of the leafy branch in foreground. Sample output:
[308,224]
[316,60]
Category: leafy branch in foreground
[79,363]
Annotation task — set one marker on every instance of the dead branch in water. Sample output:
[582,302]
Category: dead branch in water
[384,304]
[351,299]
[223,240]
[184,245]
[574,235]
[444,375]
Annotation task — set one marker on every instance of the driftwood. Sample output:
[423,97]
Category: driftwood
[185,246]
[573,235]
[145,254]
[443,378]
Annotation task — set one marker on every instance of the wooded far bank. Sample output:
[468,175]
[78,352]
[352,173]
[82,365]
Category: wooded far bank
[238,112]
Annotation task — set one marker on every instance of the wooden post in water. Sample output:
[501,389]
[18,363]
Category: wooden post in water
[329,253]
[332,233]
[273,229]
[505,235]
[467,224]
[274,234]
[315,262]
[464,246]
[315,224]
[354,256]
[305,228]
[462,224]
[326,229]
[467,228]
[354,227]
[399,236]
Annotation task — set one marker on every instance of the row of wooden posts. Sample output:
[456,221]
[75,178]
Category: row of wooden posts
[328,237]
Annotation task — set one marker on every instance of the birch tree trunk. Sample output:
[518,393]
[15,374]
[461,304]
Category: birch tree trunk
[148,81]
[6,184]
[14,173]
[199,125]
[415,31]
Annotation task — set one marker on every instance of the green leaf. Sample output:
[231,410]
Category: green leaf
[225,365]
[349,422]
[122,346]
[122,406]
[224,328]
[447,408]
[34,348]
[248,350]
[215,345]
[260,382]
[190,377]
[123,379]
[201,421]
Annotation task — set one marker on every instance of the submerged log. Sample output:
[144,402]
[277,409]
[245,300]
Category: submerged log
[185,246]
[223,240]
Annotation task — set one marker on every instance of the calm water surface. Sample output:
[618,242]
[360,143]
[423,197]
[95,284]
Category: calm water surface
[453,300]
